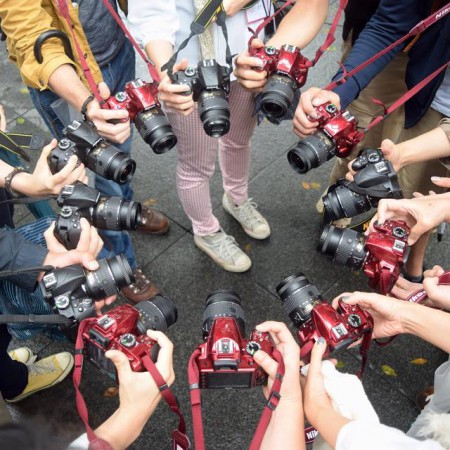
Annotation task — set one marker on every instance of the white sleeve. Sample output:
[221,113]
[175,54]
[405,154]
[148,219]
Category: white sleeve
[81,443]
[151,20]
[358,434]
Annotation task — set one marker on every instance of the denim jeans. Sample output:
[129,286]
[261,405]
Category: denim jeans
[115,74]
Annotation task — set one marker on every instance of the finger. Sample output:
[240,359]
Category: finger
[110,114]
[182,65]
[252,75]
[87,260]
[63,174]
[85,236]
[165,355]
[110,300]
[279,329]
[315,363]
[49,231]
[387,147]
[417,195]
[121,362]
[103,90]
[441,181]
[93,241]
[269,365]
[257,43]
[48,148]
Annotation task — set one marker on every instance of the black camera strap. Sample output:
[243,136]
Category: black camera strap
[50,319]
[196,402]
[179,439]
[15,143]
[213,9]
[26,200]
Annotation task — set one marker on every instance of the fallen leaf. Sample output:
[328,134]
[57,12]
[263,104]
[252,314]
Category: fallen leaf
[331,48]
[24,90]
[150,202]
[388,370]
[419,361]
[315,185]
[247,248]
[111,391]
[306,185]
[340,365]
[20,120]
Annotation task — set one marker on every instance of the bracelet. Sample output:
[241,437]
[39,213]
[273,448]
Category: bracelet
[8,180]
[85,105]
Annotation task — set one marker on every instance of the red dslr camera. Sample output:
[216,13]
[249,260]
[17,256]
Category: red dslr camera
[337,135]
[140,99]
[314,317]
[226,357]
[381,255]
[125,329]
[287,70]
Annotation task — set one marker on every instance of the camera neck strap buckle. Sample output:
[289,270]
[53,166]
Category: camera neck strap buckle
[196,404]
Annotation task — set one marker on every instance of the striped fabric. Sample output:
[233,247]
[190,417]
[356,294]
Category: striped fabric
[197,156]
[15,300]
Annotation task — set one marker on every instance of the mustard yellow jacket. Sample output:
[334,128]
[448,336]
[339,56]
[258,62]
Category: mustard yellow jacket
[23,21]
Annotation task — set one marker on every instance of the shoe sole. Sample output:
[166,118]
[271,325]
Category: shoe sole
[220,263]
[247,231]
[59,379]
[156,233]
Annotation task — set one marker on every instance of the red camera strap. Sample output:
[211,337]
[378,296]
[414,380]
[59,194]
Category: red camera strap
[64,12]
[179,439]
[416,30]
[328,40]
[420,296]
[196,402]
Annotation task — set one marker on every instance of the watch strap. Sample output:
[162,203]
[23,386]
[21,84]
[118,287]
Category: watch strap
[85,104]
[8,180]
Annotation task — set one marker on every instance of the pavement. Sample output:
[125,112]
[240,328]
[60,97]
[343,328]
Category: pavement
[394,374]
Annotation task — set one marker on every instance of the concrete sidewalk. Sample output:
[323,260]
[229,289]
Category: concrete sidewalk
[187,276]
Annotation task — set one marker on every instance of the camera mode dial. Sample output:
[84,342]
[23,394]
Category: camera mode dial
[121,97]
[128,340]
[331,109]
[64,144]
[399,232]
[354,320]
[271,50]
[252,347]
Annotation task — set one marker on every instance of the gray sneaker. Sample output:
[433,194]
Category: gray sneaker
[224,251]
[252,222]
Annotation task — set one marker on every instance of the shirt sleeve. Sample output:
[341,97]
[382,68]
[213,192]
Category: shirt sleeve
[18,253]
[392,20]
[153,20]
[358,434]
[81,443]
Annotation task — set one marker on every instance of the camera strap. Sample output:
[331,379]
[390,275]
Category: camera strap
[51,319]
[415,31]
[196,406]
[179,438]
[328,40]
[212,9]
[16,143]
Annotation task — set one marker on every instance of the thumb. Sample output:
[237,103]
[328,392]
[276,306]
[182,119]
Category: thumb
[103,90]
[387,147]
[120,361]
[269,365]
[182,65]
[257,43]
[441,181]
[318,100]
[315,363]
[48,148]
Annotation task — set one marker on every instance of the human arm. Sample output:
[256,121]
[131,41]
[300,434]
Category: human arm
[284,430]
[138,393]
[42,181]
[392,317]
[305,15]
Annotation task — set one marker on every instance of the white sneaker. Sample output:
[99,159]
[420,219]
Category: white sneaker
[23,355]
[224,251]
[246,214]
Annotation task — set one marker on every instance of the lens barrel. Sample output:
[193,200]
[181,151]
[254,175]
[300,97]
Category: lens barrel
[214,111]
[345,246]
[311,152]
[157,314]
[115,213]
[278,96]
[223,303]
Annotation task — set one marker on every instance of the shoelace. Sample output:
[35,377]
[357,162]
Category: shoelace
[41,368]
[248,214]
[228,247]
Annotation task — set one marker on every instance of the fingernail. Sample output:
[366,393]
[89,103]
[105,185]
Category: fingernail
[320,341]
[345,299]
[92,265]
[317,101]
[435,178]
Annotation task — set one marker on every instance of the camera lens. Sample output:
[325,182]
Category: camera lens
[156,130]
[343,202]
[299,297]
[115,213]
[223,303]
[311,152]
[345,246]
[278,96]
[112,275]
[110,163]
[214,111]
[158,314]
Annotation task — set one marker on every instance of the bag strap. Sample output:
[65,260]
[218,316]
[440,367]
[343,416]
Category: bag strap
[196,407]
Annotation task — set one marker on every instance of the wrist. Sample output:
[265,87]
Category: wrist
[16,182]
[408,317]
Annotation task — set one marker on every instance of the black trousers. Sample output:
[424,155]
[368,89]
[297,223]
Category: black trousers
[13,374]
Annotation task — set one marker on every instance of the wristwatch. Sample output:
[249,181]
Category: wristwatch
[8,180]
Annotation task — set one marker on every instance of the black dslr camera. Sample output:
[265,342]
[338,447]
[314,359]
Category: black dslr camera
[375,178]
[209,84]
[82,139]
[106,213]
[72,290]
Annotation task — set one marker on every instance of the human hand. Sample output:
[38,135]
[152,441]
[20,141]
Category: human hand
[390,151]
[438,295]
[387,312]
[420,214]
[174,95]
[2,119]
[246,69]
[290,351]
[231,7]
[138,393]
[304,123]
[404,288]
[116,132]
[441,182]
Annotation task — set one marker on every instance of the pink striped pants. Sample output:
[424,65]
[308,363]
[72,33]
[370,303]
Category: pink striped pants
[197,157]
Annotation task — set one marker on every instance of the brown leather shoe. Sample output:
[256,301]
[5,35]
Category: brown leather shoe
[421,397]
[153,222]
[141,289]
